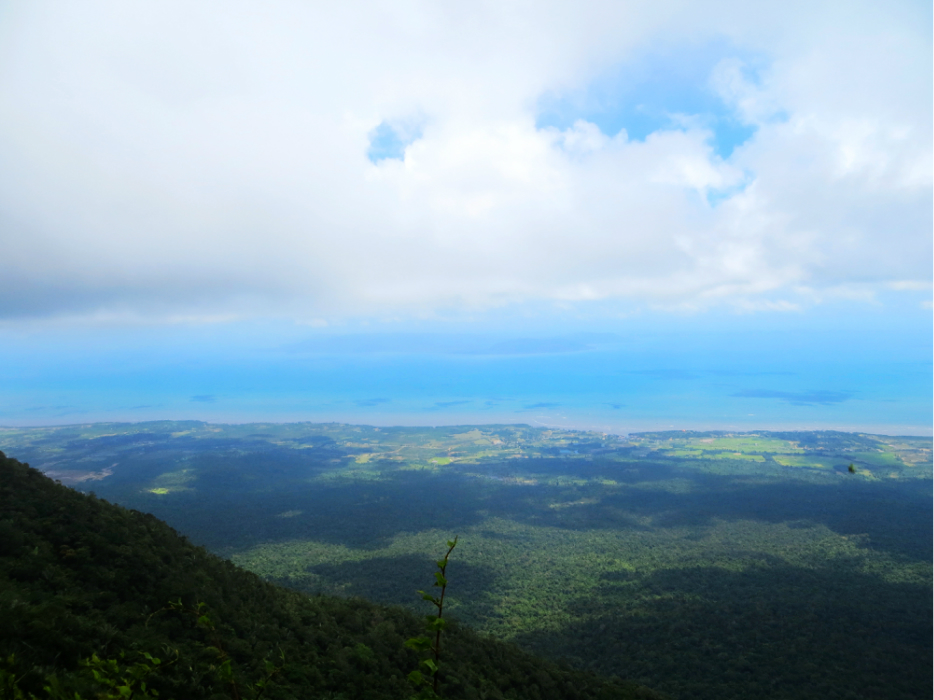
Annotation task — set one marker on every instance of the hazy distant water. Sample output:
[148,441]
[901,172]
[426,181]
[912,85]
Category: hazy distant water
[745,374]
[609,390]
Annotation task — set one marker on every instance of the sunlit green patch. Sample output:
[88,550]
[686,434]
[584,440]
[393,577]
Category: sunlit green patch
[418,466]
[668,485]
[806,461]
[750,443]
[480,455]
[564,480]
[736,455]
[352,473]
[682,453]
[442,460]
[882,459]
[520,480]
[171,482]
[913,453]
[569,504]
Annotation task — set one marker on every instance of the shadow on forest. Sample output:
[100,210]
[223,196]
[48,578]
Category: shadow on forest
[833,632]
[891,515]
[628,472]
[362,515]
[241,487]
[239,510]
[894,516]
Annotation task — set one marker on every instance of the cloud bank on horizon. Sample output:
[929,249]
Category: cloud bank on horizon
[315,161]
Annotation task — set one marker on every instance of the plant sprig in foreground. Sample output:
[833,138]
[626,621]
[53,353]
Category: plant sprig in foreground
[427,682]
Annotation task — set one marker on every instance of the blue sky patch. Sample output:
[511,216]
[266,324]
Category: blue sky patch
[728,134]
[715,196]
[657,92]
[390,141]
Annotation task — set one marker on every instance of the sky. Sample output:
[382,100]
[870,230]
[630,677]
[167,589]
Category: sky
[609,215]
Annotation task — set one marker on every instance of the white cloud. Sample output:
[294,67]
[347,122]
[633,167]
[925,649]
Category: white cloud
[169,160]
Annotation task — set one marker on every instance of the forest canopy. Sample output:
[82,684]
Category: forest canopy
[705,565]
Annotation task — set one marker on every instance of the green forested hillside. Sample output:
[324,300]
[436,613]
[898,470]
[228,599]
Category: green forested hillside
[80,576]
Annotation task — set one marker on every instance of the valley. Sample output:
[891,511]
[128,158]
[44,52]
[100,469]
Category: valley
[704,565]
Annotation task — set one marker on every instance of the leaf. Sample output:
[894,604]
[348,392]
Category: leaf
[430,665]
[416,678]
[418,643]
[438,624]
[440,580]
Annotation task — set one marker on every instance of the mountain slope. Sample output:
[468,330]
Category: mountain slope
[80,576]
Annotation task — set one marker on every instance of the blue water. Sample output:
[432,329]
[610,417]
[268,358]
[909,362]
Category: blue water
[868,372]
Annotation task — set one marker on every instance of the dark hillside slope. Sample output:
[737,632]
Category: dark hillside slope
[81,576]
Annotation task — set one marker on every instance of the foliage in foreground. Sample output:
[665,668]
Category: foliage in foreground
[427,682]
[84,580]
